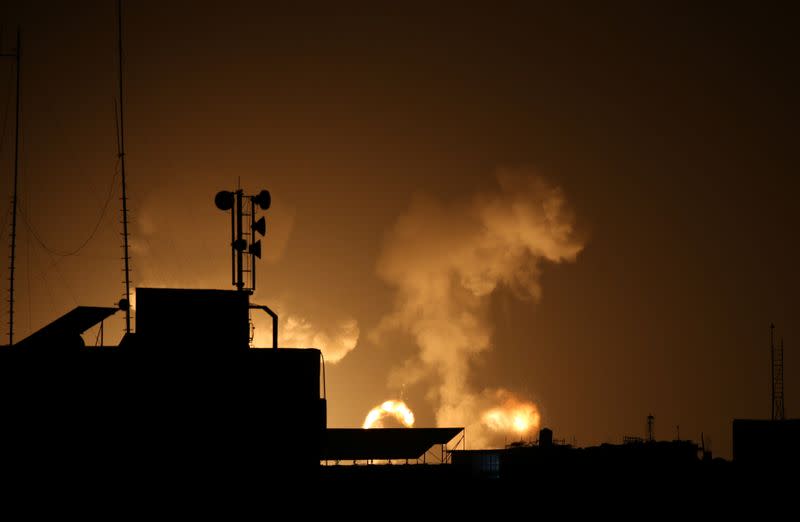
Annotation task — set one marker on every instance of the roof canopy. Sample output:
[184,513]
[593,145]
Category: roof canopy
[383,443]
[69,326]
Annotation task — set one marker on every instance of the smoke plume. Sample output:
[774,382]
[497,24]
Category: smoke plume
[444,260]
[334,343]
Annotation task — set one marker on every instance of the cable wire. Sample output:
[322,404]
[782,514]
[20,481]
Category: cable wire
[76,251]
[5,113]
[2,142]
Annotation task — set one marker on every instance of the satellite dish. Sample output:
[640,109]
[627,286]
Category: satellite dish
[255,249]
[263,200]
[224,200]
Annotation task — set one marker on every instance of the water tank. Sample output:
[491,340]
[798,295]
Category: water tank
[545,437]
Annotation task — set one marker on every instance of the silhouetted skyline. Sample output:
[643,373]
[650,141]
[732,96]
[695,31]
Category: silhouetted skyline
[670,132]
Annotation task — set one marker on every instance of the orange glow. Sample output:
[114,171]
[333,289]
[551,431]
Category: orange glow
[396,409]
[513,416]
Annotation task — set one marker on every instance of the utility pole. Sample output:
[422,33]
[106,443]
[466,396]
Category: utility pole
[121,144]
[14,199]
[772,369]
[776,353]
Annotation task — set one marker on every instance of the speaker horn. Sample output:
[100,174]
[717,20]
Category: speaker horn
[224,200]
[260,226]
[263,199]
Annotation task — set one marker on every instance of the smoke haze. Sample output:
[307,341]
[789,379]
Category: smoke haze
[335,342]
[445,259]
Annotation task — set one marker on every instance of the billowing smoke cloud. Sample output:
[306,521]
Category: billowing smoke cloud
[445,259]
[335,342]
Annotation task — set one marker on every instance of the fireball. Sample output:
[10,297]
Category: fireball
[520,417]
[396,409]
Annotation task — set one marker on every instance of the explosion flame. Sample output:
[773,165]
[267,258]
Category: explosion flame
[391,408]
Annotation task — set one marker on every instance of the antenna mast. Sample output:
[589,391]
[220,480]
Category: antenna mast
[777,376]
[12,266]
[121,141]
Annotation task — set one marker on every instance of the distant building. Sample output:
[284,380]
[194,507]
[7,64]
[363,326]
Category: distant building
[546,460]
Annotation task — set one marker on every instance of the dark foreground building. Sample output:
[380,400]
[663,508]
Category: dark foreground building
[185,394]
[186,397]
[183,397]
[767,443]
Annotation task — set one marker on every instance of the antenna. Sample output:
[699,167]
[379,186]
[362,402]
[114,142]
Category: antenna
[12,266]
[772,370]
[121,145]
[650,420]
[241,206]
[777,376]
[781,412]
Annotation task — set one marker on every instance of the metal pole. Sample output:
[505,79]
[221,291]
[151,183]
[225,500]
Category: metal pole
[239,241]
[274,316]
[14,205]
[233,248]
[126,256]
[772,368]
[252,242]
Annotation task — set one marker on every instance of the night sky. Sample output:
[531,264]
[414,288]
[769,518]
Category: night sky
[600,199]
